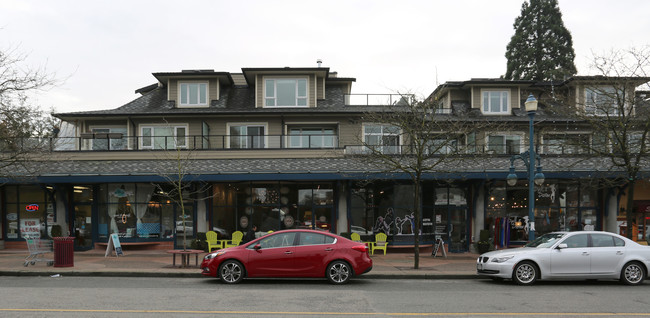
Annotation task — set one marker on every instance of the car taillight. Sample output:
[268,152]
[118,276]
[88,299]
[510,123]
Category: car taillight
[361,248]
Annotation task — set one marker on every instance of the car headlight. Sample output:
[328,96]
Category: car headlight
[213,255]
[502,258]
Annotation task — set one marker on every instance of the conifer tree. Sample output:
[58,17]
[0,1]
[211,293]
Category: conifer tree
[541,48]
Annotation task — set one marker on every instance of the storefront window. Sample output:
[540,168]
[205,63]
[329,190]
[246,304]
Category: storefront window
[558,207]
[28,210]
[272,206]
[141,211]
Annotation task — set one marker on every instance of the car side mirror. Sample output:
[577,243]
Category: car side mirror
[257,247]
[562,246]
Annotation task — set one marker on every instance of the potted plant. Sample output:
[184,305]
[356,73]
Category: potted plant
[483,245]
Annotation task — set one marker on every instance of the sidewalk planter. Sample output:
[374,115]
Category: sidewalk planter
[63,251]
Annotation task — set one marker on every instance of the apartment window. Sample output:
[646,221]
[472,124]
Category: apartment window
[495,102]
[504,144]
[312,137]
[636,142]
[163,137]
[601,101]
[384,138]
[285,92]
[565,143]
[105,137]
[193,94]
[444,144]
[247,136]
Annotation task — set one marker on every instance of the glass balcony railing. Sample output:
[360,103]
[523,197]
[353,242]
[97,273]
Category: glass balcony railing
[118,142]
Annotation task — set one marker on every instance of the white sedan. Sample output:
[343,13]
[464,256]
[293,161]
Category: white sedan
[569,256]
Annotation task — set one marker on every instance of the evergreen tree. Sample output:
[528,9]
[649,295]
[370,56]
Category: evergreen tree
[541,48]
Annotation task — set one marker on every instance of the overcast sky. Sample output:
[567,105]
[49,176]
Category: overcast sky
[107,49]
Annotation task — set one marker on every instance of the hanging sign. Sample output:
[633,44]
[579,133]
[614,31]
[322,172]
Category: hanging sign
[114,244]
[31,207]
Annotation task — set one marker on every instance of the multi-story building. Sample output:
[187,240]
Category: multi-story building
[283,148]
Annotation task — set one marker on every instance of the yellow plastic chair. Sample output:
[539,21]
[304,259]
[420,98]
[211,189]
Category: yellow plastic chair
[213,241]
[380,243]
[237,236]
[356,237]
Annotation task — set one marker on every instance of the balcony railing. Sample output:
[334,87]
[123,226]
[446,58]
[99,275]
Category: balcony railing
[378,99]
[117,142]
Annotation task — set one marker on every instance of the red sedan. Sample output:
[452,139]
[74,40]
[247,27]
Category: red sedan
[290,253]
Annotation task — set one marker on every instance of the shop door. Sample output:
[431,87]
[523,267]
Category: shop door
[458,230]
[82,227]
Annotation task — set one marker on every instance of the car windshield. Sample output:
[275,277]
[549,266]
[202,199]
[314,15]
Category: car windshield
[546,240]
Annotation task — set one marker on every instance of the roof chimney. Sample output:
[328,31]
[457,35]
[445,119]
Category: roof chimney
[319,62]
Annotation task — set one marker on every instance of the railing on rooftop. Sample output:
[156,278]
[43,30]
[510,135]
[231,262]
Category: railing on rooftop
[378,99]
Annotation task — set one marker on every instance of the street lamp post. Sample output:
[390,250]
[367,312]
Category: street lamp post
[528,158]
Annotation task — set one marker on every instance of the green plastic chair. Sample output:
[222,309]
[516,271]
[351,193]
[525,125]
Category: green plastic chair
[213,241]
[356,237]
[380,243]
[237,236]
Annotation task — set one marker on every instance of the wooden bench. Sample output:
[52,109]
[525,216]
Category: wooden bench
[185,256]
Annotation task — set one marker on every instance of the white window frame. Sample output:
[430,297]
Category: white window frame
[503,109]
[273,95]
[175,127]
[200,103]
[600,92]
[382,133]
[290,127]
[506,135]
[111,129]
[265,136]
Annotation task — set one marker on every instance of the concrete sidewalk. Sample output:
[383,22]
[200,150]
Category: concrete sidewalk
[157,263]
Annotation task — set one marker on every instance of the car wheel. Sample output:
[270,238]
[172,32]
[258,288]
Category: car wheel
[339,272]
[231,272]
[632,273]
[525,273]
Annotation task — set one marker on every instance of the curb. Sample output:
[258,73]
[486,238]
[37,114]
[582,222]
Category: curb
[197,275]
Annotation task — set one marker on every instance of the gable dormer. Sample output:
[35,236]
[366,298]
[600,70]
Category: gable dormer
[287,87]
[194,88]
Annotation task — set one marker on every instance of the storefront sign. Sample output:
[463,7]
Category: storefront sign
[31,207]
[30,227]
[114,244]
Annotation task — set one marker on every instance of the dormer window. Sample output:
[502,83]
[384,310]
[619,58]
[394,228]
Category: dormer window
[495,102]
[193,94]
[285,92]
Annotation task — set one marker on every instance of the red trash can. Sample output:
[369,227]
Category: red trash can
[63,251]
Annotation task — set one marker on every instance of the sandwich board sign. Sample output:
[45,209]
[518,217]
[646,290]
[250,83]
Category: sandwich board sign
[114,244]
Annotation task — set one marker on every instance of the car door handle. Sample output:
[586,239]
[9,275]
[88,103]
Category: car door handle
[619,253]
[585,253]
[329,249]
[288,252]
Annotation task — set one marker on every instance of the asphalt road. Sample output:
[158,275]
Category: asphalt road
[199,297]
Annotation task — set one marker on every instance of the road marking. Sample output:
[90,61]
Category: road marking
[203,312]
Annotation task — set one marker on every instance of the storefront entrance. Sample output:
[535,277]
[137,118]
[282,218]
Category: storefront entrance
[83,227]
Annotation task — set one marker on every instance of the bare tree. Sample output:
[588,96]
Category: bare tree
[418,138]
[609,105]
[25,129]
[177,165]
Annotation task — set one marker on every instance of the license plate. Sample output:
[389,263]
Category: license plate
[479,266]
